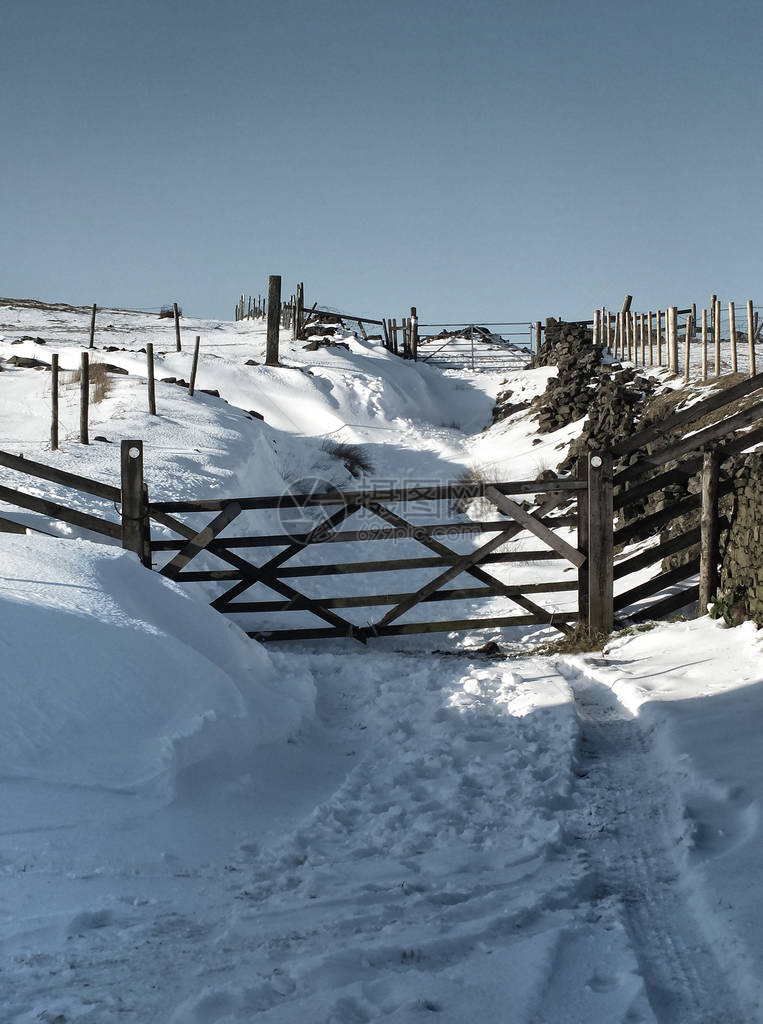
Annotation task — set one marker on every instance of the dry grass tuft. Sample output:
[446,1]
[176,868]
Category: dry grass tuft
[98,378]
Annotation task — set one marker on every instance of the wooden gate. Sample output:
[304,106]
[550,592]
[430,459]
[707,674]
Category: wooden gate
[391,516]
[687,524]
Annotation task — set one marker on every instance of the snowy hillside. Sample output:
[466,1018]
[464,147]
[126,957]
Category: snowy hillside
[197,829]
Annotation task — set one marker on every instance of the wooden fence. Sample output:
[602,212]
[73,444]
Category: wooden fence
[607,485]
[650,463]
[693,344]
[131,529]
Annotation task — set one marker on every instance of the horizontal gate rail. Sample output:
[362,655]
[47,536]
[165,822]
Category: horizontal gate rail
[671,603]
[655,554]
[350,568]
[656,584]
[356,536]
[372,600]
[56,511]
[653,522]
[410,628]
[60,476]
[435,492]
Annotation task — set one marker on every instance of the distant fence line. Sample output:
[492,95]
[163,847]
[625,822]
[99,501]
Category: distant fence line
[688,340]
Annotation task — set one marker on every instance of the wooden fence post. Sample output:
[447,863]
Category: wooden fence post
[84,398]
[704,344]
[659,337]
[642,338]
[92,327]
[717,336]
[733,337]
[689,334]
[751,336]
[150,378]
[673,339]
[176,313]
[134,511]
[600,544]
[54,401]
[538,336]
[650,337]
[274,319]
[414,334]
[709,530]
[583,541]
[194,366]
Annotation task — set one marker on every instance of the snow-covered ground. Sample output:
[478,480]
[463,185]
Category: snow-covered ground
[199,829]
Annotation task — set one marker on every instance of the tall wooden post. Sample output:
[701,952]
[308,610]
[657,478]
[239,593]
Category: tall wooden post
[54,401]
[150,378]
[659,337]
[92,327]
[194,366]
[583,540]
[642,339]
[751,330]
[596,333]
[176,314]
[650,337]
[414,334]
[673,339]
[538,336]
[689,337]
[717,336]
[84,398]
[733,337]
[134,512]
[600,544]
[709,530]
[274,319]
[704,344]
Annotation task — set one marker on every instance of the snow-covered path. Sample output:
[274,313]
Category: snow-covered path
[635,833]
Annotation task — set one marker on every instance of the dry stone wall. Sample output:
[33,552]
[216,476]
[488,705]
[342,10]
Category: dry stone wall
[741,589]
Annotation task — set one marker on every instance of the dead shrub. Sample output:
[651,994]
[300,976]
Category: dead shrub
[355,460]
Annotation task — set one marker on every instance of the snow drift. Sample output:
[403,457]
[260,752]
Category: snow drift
[111,676]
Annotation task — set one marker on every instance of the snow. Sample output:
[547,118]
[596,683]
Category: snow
[196,828]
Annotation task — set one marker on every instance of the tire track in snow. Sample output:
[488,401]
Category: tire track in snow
[631,827]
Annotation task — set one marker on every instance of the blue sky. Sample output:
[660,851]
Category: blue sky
[480,160]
